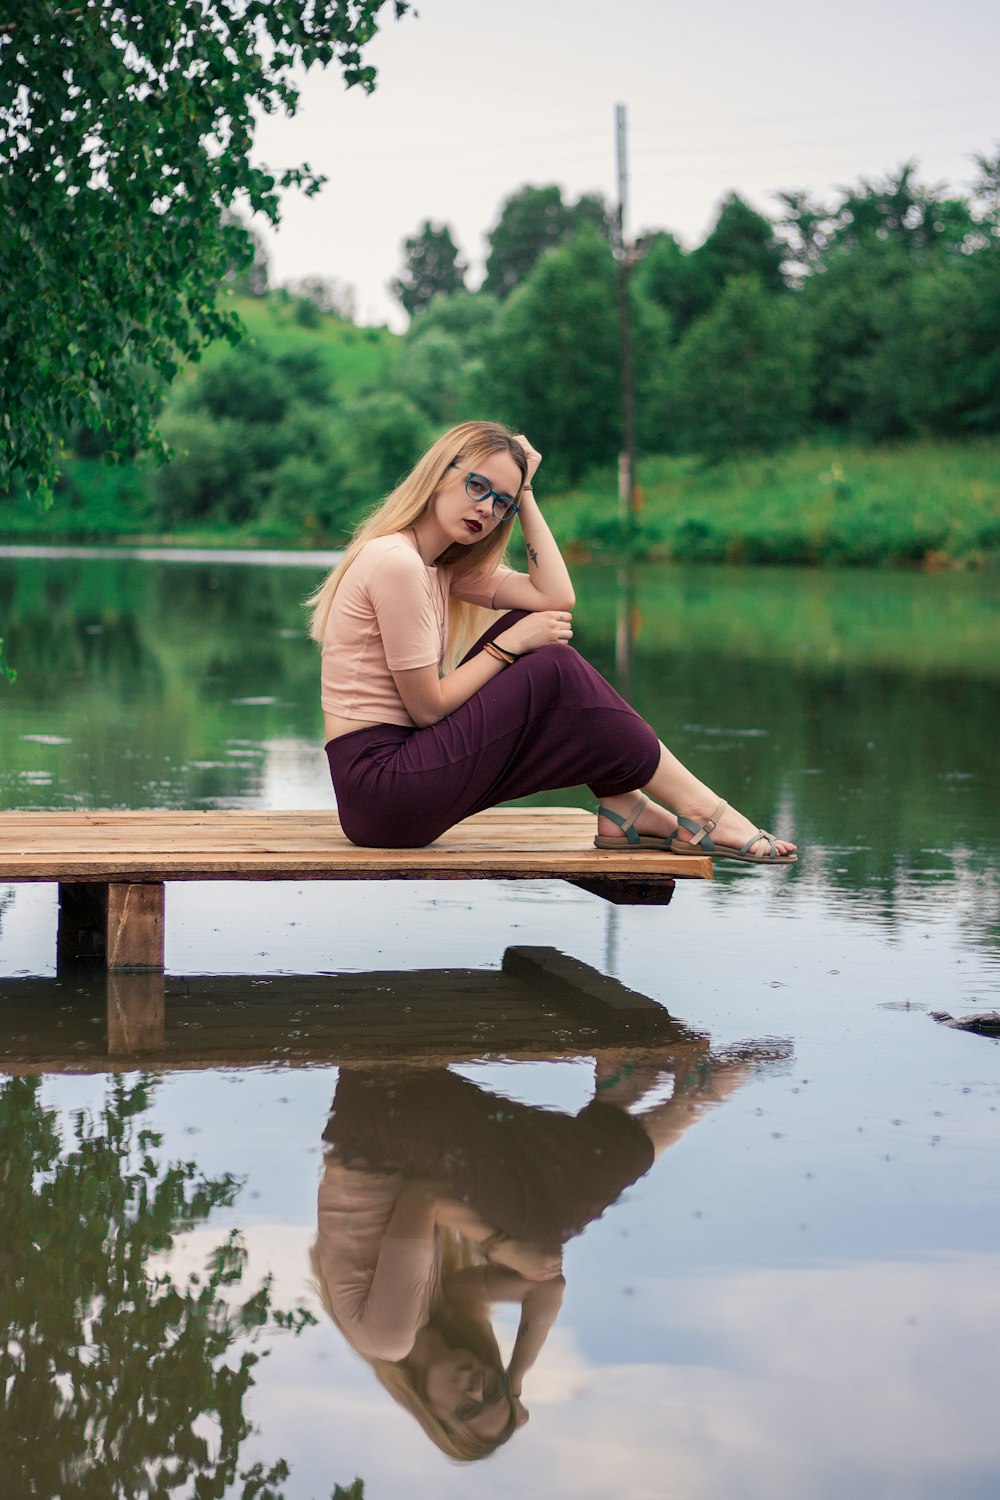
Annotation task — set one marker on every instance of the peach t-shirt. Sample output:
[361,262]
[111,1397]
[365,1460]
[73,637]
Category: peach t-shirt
[390,614]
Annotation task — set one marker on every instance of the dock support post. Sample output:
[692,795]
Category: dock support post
[119,926]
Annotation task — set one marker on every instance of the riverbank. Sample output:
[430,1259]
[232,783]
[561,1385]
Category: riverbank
[933,505]
[929,504]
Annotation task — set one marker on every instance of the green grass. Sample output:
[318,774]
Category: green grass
[356,358]
[929,503]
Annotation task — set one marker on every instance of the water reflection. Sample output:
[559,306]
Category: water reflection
[440,1200]
[119,1378]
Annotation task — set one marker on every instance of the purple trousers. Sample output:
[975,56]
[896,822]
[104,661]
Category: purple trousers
[548,721]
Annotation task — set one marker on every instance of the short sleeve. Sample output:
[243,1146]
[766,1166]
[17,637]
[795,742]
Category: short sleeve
[406,611]
[480,588]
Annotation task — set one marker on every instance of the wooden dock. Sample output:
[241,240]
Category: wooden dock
[111,867]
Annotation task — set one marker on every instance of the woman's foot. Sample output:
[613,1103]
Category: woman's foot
[729,832]
[650,821]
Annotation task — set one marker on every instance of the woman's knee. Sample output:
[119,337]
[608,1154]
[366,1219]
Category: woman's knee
[387,829]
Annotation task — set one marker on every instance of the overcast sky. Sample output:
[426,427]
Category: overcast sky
[476,97]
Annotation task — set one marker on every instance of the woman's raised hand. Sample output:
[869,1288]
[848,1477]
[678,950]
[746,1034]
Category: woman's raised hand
[532,454]
[547,627]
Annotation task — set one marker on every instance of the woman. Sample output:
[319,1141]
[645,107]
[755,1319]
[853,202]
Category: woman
[413,748]
[440,1199]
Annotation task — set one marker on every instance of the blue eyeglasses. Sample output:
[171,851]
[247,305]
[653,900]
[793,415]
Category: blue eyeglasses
[494,1389]
[479,489]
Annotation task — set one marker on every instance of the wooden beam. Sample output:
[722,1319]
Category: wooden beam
[628,892]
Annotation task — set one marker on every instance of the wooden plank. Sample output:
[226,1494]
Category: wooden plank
[504,843]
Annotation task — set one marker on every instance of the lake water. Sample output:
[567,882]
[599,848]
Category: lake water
[801,1297]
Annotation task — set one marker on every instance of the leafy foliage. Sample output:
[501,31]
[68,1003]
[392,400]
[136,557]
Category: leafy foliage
[532,221]
[255,438]
[110,1366]
[432,268]
[441,360]
[124,133]
[551,365]
[740,377]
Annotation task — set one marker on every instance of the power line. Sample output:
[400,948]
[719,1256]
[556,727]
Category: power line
[923,105]
[771,145]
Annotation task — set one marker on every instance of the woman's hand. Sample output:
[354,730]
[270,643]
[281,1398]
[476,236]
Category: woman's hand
[546,628]
[533,1262]
[531,454]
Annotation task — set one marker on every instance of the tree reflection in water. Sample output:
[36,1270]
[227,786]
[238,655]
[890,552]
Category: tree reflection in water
[119,1380]
[439,1200]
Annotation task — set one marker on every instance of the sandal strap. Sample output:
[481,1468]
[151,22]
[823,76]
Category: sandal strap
[625,824]
[762,833]
[701,832]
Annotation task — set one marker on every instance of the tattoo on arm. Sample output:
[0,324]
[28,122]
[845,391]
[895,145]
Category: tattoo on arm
[531,553]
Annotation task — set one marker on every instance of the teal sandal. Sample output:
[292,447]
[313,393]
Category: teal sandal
[631,839]
[701,842]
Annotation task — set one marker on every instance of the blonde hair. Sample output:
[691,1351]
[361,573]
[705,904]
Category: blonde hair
[463,1327]
[469,442]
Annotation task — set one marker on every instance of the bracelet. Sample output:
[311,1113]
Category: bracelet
[499,654]
[506,651]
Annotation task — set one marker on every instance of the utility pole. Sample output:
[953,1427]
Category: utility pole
[626,458]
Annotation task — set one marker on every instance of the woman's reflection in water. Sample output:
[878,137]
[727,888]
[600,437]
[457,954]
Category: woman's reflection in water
[439,1199]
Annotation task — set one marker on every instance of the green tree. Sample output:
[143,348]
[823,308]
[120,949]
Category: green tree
[111,1367]
[740,376]
[905,211]
[897,209]
[741,242]
[441,361]
[124,130]
[431,268]
[551,366]
[256,442]
[382,436]
[674,280]
[532,221]
[935,363]
[848,309]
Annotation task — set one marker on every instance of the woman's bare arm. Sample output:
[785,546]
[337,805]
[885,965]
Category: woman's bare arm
[547,584]
[429,698]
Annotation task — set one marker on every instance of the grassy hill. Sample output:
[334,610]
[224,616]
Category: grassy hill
[356,358]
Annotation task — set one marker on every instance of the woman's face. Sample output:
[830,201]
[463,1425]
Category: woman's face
[464,519]
[465,1393]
